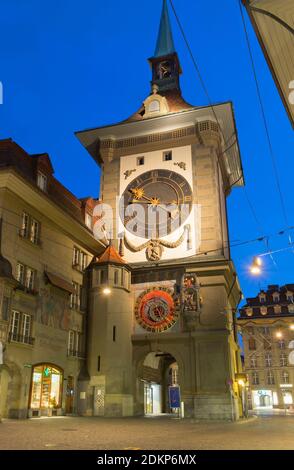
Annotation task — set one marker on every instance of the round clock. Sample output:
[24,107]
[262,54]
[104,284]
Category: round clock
[155,310]
[156,203]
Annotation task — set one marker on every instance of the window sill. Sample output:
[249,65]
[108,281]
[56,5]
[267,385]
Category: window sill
[25,290]
[26,239]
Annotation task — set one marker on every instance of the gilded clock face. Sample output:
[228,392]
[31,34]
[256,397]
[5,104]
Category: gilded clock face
[155,310]
[156,203]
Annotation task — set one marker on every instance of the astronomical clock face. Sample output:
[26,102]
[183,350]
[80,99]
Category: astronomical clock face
[164,200]
[155,310]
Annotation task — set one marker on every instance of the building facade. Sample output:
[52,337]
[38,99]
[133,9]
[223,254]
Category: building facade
[267,326]
[45,247]
[152,257]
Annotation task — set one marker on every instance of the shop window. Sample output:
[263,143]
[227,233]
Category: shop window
[46,387]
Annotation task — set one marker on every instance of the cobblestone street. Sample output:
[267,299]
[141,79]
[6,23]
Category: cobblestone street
[66,433]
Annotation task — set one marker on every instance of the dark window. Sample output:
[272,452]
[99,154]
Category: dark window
[140,161]
[98,363]
[5,308]
[167,156]
[252,344]
[114,333]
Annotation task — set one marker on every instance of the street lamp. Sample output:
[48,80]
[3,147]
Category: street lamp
[292,327]
[255,267]
[279,334]
[106,291]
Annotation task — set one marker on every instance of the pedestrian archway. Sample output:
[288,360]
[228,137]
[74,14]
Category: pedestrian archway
[158,373]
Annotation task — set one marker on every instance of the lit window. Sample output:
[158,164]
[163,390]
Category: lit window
[277,308]
[167,156]
[253,362]
[140,161]
[20,273]
[262,298]
[35,230]
[282,344]
[285,377]
[24,231]
[30,228]
[270,378]
[255,378]
[42,181]
[263,310]
[268,360]
[283,360]
[25,276]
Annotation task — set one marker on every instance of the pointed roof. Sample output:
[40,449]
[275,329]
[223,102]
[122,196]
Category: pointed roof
[165,43]
[111,256]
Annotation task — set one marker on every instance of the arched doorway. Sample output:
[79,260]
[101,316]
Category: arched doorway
[46,390]
[159,372]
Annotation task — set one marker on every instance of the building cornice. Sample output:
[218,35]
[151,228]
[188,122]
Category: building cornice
[13,182]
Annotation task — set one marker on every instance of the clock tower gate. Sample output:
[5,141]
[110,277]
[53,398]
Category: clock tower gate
[166,173]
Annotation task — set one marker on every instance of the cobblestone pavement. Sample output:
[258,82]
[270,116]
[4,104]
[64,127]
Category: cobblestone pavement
[266,432]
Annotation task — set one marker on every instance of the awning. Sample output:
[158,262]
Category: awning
[59,282]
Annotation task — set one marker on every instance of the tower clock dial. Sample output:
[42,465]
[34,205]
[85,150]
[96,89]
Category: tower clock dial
[156,203]
[155,310]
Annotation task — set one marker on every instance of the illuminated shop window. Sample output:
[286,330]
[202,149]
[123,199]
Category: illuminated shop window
[46,387]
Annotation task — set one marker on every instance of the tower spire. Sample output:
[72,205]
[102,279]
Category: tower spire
[165,42]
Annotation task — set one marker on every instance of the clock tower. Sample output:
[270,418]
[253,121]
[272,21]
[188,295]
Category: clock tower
[166,173]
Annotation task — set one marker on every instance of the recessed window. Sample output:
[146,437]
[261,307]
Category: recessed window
[20,328]
[140,161]
[26,276]
[76,297]
[42,181]
[80,259]
[88,220]
[5,308]
[167,156]
[30,228]
[154,106]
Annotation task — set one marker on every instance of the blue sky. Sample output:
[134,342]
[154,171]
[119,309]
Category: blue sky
[67,65]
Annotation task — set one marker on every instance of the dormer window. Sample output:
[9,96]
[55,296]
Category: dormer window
[263,310]
[249,311]
[154,106]
[289,296]
[262,298]
[42,181]
[140,161]
[88,220]
[276,297]
[277,309]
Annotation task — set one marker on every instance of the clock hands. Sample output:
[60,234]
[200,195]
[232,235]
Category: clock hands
[154,201]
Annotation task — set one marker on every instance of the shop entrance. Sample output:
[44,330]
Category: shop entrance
[46,390]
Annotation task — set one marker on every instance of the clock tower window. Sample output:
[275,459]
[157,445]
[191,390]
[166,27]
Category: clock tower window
[140,161]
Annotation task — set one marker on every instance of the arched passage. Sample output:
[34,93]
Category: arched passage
[157,372]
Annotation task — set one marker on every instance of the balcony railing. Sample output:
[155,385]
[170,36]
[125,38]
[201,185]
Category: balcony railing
[16,338]
[28,290]
[75,353]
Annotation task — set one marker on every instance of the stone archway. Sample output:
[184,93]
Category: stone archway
[155,373]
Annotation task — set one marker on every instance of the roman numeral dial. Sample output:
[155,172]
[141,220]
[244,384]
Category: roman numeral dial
[156,203]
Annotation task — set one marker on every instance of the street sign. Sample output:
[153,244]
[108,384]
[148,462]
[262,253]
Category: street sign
[174,397]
